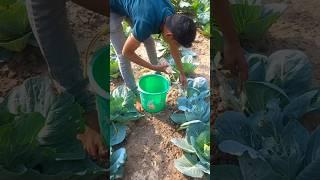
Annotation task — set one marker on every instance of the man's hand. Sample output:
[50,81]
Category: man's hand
[161,68]
[92,143]
[233,53]
[91,138]
[235,61]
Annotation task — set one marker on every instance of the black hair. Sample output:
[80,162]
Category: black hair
[183,29]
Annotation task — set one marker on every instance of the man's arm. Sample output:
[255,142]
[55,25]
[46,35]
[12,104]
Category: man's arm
[233,53]
[128,51]
[223,16]
[174,50]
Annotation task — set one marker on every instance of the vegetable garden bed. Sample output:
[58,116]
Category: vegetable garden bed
[269,131]
[150,152]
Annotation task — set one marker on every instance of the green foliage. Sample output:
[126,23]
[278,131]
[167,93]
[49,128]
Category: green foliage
[194,106]
[114,67]
[38,135]
[188,60]
[270,144]
[285,74]
[252,19]
[15,30]
[196,144]
[198,9]
[117,161]
[122,111]
[126,28]
[196,160]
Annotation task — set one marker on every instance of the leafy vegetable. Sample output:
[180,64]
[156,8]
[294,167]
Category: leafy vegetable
[252,20]
[114,67]
[195,161]
[194,107]
[258,101]
[283,75]
[122,105]
[188,59]
[59,118]
[188,65]
[122,111]
[117,161]
[18,140]
[15,29]
[290,70]
[62,113]
[126,28]
[198,9]
[268,144]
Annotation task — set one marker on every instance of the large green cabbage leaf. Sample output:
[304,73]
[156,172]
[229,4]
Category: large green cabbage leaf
[15,30]
[196,160]
[291,70]
[63,120]
[195,105]
[284,75]
[269,145]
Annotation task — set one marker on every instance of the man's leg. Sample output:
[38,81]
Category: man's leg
[118,39]
[50,26]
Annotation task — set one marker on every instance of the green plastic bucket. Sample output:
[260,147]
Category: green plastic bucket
[99,82]
[153,92]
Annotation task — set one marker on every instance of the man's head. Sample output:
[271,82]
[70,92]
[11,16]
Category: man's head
[180,28]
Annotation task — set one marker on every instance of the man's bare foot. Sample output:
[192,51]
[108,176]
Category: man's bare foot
[139,106]
[91,138]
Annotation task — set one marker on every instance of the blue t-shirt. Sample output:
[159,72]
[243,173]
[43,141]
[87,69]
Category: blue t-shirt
[146,15]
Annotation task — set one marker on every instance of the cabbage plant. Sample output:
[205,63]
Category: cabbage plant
[195,106]
[253,19]
[114,67]
[188,59]
[15,30]
[38,130]
[122,111]
[196,146]
[199,9]
[285,74]
[270,144]
[117,161]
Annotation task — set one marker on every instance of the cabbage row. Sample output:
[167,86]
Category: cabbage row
[194,117]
